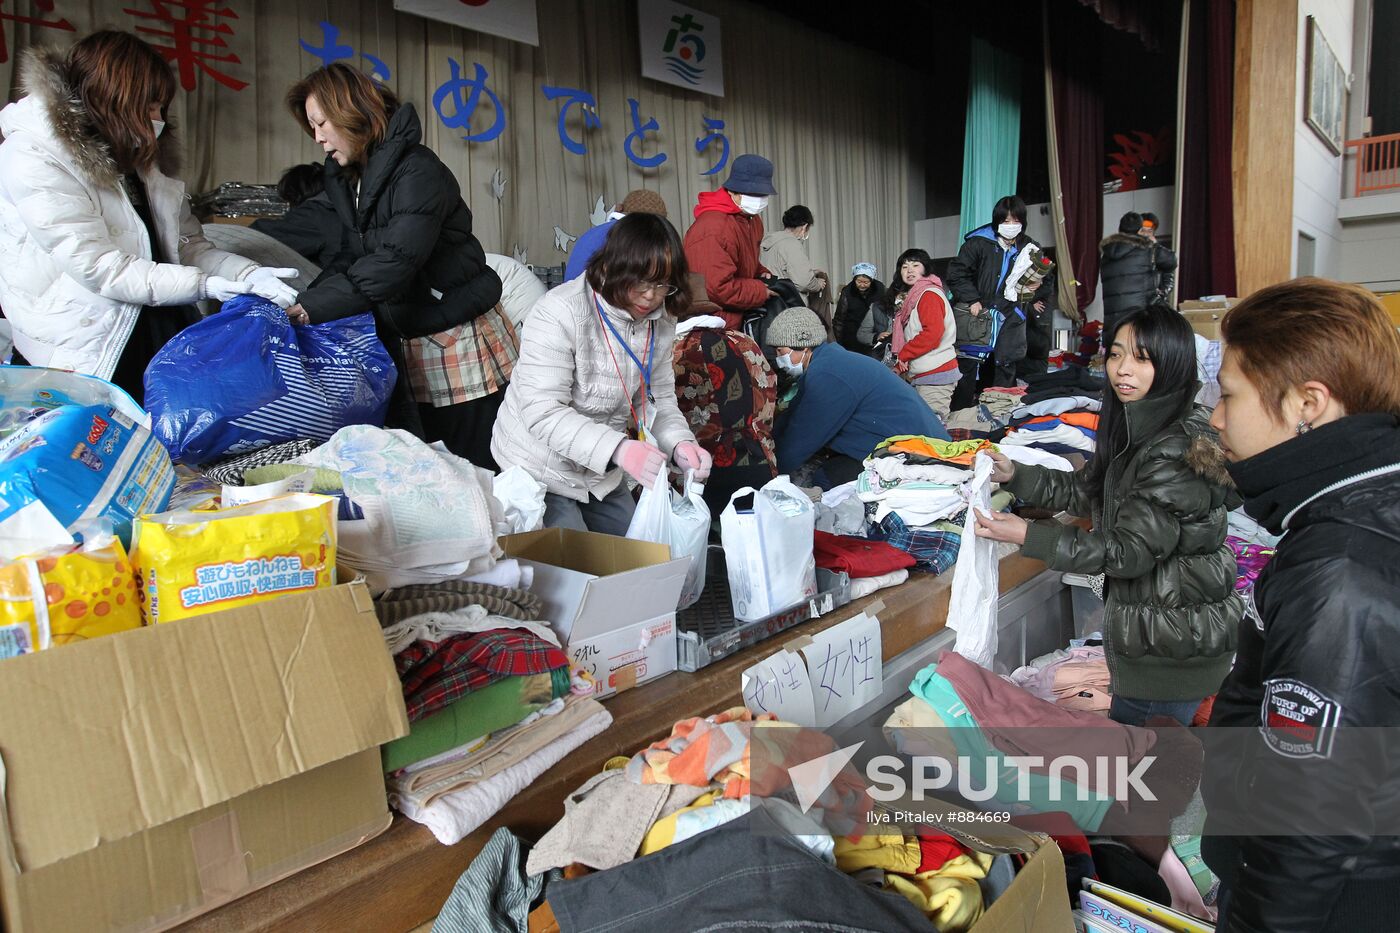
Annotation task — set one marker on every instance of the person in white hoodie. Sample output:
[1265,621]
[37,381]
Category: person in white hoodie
[103,259]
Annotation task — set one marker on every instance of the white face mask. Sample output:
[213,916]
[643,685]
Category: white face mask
[1009,231]
[750,204]
[158,126]
[786,364]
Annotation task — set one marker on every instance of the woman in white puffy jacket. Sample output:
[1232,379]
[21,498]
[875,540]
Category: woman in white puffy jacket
[102,257]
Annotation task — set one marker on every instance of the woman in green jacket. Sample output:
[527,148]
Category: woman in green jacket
[1157,494]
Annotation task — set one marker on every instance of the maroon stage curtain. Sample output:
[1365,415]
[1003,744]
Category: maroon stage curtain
[1146,19]
[1205,231]
[1079,137]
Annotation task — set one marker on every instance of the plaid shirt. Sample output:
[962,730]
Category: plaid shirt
[935,551]
[468,362]
[436,675]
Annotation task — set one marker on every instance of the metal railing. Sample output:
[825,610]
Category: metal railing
[1377,163]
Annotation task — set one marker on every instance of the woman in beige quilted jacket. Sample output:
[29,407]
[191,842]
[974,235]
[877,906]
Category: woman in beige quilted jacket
[593,395]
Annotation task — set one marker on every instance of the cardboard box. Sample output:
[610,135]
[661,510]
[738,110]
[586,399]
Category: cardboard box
[612,601]
[1035,902]
[1204,315]
[1208,304]
[1205,322]
[152,775]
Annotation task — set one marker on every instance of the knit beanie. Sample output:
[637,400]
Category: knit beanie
[797,328]
[643,201]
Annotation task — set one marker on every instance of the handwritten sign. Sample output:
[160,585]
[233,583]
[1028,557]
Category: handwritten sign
[779,684]
[845,664]
[818,680]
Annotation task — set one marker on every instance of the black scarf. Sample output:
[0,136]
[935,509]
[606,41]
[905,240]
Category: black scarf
[1277,481]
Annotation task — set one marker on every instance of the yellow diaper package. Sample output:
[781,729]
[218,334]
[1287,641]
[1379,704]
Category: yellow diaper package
[189,563]
[60,597]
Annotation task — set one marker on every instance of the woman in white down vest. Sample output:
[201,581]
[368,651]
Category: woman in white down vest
[102,257]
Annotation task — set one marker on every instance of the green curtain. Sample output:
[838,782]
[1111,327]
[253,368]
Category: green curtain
[992,141]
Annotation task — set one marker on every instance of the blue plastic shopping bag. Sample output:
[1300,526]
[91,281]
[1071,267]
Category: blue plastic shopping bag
[245,378]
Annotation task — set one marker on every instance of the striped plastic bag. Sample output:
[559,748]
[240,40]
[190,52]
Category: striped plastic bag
[246,378]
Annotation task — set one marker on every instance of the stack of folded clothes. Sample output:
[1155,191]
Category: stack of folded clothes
[489,701]
[915,483]
[988,417]
[1059,414]
[871,565]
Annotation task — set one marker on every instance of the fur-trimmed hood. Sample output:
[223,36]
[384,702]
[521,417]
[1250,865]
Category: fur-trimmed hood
[1207,459]
[1205,456]
[1125,241]
[52,109]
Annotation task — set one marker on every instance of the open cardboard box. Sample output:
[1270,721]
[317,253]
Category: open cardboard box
[612,601]
[155,774]
[1205,316]
[1037,901]
[1205,322]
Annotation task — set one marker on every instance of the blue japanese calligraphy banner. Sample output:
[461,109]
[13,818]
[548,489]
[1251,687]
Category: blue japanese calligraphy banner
[543,139]
[509,19]
[681,46]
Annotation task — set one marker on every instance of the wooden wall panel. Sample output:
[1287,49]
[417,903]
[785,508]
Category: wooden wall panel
[1266,36]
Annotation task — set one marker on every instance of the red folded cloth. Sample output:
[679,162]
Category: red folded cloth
[937,849]
[859,557]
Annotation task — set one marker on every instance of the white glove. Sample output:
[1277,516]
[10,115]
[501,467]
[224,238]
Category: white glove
[218,288]
[267,283]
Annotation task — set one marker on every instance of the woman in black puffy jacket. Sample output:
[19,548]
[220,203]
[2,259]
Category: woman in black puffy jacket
[413,261]
[1302,770]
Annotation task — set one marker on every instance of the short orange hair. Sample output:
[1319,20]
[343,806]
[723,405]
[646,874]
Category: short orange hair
[351,101]
[1310,330]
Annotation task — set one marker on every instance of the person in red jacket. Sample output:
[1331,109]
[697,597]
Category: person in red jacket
[723,243]
[922,331]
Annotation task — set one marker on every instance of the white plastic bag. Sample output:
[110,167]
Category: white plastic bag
[522,496]
[768,549]
[972,606]
[680,520]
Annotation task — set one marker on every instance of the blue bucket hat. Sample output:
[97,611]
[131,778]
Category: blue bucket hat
[751,174]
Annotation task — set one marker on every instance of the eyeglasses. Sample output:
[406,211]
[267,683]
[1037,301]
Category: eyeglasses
[644,288]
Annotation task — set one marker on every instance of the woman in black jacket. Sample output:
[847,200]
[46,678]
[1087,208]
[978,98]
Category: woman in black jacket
[412,260]
[862,291]
[1303,794]
[1158,495]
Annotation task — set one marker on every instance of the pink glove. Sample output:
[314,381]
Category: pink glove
[641,461]
[691,456]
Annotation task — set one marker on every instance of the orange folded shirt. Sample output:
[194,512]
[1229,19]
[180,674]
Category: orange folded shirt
[1078,419]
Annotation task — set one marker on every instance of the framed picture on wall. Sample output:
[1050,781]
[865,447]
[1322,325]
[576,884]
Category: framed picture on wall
[1325,109]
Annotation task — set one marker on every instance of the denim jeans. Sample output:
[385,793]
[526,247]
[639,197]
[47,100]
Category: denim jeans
[747,874]
[1131,712]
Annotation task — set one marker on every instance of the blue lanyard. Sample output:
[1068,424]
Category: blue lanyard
[651,343]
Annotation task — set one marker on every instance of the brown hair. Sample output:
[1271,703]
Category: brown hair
[117,77]
[640,248]
[1317,330]
[350,100]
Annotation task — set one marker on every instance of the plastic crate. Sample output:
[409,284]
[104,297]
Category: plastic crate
[708,631]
